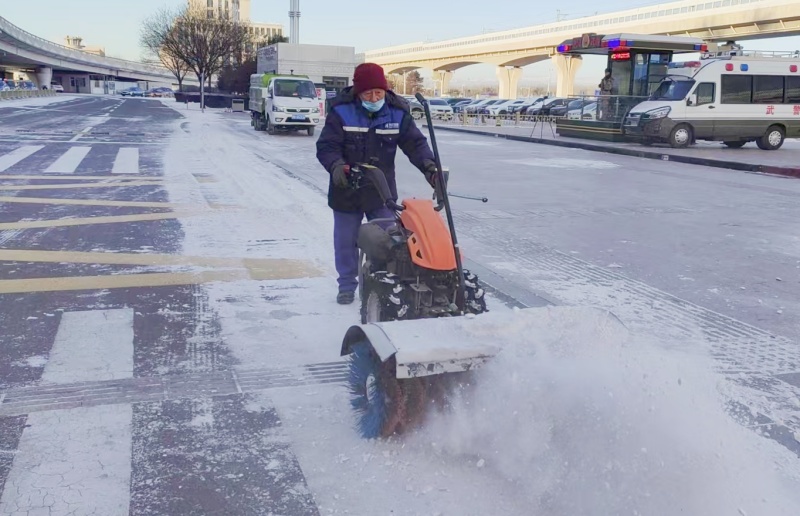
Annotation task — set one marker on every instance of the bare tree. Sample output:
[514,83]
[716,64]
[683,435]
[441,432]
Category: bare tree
[195,41]
[206,44]
[152,37]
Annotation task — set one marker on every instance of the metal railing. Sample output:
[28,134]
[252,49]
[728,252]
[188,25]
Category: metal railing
[25,94]
[55,50]
[606,108]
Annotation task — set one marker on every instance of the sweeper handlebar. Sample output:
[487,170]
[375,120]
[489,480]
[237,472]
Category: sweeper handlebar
[377,178]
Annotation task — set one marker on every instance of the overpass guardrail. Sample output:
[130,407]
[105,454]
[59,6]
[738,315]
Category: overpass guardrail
[113,65]
[26,94]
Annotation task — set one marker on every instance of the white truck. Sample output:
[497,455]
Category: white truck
[735,98]
[283,102]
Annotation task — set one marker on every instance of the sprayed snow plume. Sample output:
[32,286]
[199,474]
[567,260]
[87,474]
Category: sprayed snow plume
[610,423]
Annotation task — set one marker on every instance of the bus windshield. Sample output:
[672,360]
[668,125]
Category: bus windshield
[672,89]
[295,88]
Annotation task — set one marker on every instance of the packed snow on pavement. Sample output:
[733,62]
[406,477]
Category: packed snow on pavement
[558,423]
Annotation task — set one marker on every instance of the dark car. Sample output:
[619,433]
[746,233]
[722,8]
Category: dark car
[458,108]
[455,100]
[561,110]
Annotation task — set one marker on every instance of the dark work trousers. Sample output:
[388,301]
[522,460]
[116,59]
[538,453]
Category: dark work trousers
[345,243]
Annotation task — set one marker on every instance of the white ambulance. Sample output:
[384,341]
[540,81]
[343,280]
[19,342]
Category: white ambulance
[734,97]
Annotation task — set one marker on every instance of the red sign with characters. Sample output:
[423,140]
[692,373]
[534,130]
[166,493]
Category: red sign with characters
[770,110]
[797,110]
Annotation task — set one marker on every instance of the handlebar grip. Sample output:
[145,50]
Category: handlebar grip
[394,206]
[420,98]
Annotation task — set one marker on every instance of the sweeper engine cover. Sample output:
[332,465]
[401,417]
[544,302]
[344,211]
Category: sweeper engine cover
[398,370]
[375,242]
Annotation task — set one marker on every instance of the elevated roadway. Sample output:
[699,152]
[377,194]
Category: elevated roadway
[712,21]
[19,48]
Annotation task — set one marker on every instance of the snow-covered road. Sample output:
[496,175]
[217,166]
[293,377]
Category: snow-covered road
[688,257]
[226,396]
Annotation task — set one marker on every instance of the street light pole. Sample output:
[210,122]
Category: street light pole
[203,92]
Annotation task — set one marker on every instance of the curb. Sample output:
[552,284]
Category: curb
[691,160]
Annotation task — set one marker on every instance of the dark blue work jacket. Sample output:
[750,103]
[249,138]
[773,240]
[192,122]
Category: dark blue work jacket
[354,135]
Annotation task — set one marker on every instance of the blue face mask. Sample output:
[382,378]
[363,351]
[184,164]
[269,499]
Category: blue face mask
[373,107]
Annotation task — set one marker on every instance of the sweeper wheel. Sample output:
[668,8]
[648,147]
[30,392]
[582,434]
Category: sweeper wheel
[476,300]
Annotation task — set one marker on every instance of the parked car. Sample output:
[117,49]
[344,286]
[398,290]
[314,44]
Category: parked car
[481,107]
[460,107]
[440,109]
[160,92]
[455,100]
[133,92]
[572,104]
[544,107]
[417,111]
[588,112]
[504,108]
[57,87]
[521,108]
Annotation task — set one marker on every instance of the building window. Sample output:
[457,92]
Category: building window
[210,3]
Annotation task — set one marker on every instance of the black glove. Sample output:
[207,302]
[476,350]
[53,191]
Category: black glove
[339,175]
[430,172]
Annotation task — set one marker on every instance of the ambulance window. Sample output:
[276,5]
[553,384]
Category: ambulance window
[737,89]
[768,89]
[793,90]
[705,93]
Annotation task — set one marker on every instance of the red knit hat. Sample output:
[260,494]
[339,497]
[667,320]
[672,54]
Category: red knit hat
[369,76]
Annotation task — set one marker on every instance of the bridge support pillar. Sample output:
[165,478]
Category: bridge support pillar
[443,78]
[509,80]
[44,76]
[566,68]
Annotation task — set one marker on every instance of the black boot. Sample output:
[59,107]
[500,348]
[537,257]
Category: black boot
[345,298]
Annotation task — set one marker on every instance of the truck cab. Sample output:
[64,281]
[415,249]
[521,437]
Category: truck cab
[283,102]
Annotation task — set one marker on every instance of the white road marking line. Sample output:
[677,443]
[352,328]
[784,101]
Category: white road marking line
[69,161]
[81,134]
[92,346]
[127,161]
[79,457]
[12,158]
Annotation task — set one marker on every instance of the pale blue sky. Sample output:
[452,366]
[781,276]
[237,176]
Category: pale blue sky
[114,24]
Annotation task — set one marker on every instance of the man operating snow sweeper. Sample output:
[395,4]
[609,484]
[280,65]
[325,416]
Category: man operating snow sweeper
[366,124]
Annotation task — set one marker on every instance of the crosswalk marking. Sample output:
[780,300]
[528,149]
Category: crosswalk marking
[69,161]
[127,161]
[12,158]
[78,460]
[90,346]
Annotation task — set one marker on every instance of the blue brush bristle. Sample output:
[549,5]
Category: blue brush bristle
[370,407]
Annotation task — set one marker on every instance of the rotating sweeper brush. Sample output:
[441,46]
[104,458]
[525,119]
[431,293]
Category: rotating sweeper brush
[424,322]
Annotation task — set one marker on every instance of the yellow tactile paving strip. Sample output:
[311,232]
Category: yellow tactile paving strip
[109,219]
[94,202]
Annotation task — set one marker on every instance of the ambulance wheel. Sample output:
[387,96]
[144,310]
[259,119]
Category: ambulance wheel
[476,296]
[375,393]
[772,139]
[681,136]
[269,127]
[384,298]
